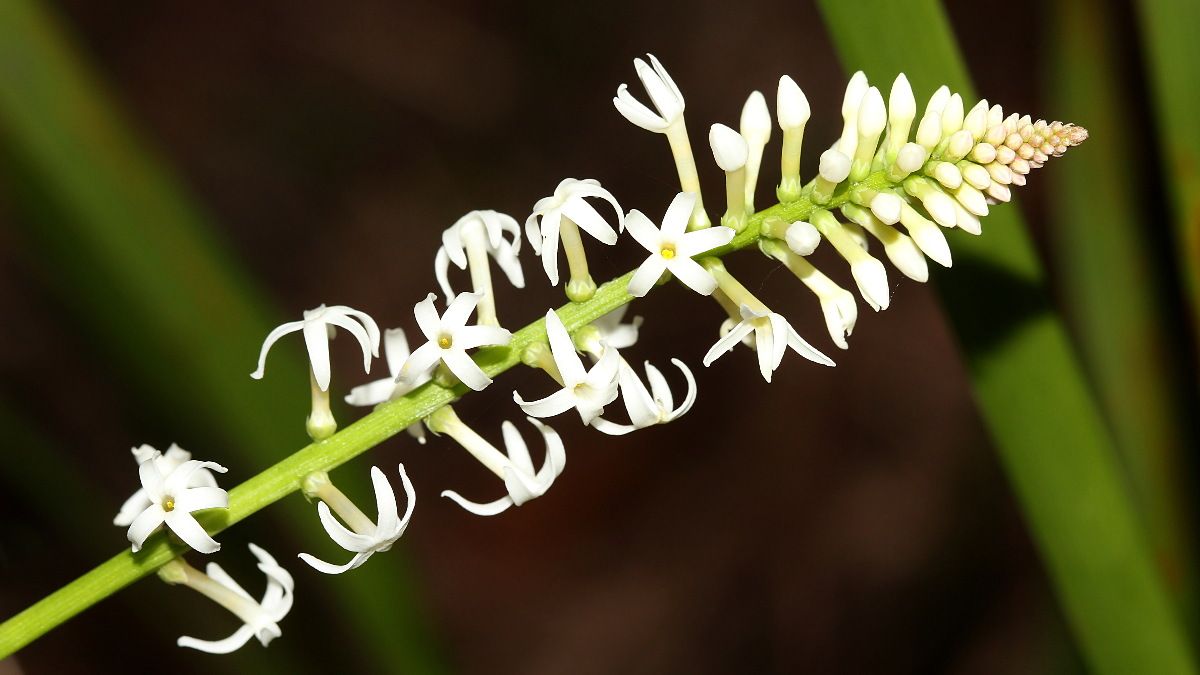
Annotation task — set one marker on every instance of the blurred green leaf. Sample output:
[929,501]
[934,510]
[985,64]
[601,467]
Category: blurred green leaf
[138,263]
[1113,286]
[1032,395]
[1173,57]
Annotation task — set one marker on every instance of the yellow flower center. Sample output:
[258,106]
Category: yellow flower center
[668,252]
[445,341]
[168,504]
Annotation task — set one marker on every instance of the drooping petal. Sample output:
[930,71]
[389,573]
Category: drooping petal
[550,236]
[272,338]
[518,451]
[342,535]
[612,428]
[411,497]
[369,348]
[727,343]
[453,246]
[570,366]
[372,328]
[329,568]
[395,349]
[690,398]
[806,350]
[660,391]
[764,347]
[230,644]
[508,261]
[588,220]
[316,340]
[490,509]
[441,270]
[387,517]
[779,332]
[465,369]
[640,405]
[179,479]
[555,404]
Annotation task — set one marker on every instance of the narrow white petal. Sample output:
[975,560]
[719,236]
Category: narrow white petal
[360,334]
[678,214]
[427,317]
[555,404]
[316,339]
[590,221]
[190,531]
[388,517]
[419,362]
[465,369]
[565,357]
[272,337]
[144,525]
[470,337]
[459,311]
[801,347]
[692,275]
[230,644]
[692,244]
[643,231]
[490,509]
[647,274]
[727,343]
[340,534]
[328,568]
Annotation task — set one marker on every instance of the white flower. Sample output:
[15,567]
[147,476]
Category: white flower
[772,336]
[610,332]
[165,462]
[318,326]
[569,200]
[395,351]
[665,96]
[671,248]
[647,407]
[470,239]
[171,498]
[261,618]
[449,339]
[389,526]
[588,391]
[520,479]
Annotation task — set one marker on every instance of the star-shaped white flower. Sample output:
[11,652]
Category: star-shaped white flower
[520,478]
[772,336]
[647,407]
[671,248]
[395,352]
[486,230]
[666,97]
[261,618]
[587,391]
[166,462]
[171,498]
[569,200]
[318,327]
[449,339]
[389,526]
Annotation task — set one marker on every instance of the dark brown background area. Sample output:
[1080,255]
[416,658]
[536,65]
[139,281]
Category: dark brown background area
[848,520]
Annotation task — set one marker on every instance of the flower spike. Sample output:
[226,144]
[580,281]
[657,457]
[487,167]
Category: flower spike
[521,480]
[261,618]
[171,498]
[563,215]
[363,538]
[468,243]
[449,337]
[671,248]
[668,101]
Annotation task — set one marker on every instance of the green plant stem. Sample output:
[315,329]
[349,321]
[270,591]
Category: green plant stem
[1034,399]
[387,420]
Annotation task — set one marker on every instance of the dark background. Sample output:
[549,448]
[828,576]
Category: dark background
[842,520]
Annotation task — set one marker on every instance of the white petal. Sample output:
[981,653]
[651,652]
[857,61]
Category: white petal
[272,337]
[611,428]
[647,274]
[555,404]
[190,531]
[470,337]
[518,451]
[693,244]
[565,357]
[727,343]
[427,317]
[201,498]
[465,369]
[144,525]
[459,311]
[636,112]
[690,398]
[360,334]
[693,275]
[395,349]
[342,535]
[328,568]
[678,214]
[388,517]
[639,403]
[590,221]
[441,269]
[316,339]
[643,231]
[132,507]
[806,350]
[230,644]
[490,509]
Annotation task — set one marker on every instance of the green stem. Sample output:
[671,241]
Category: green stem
[389,419]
